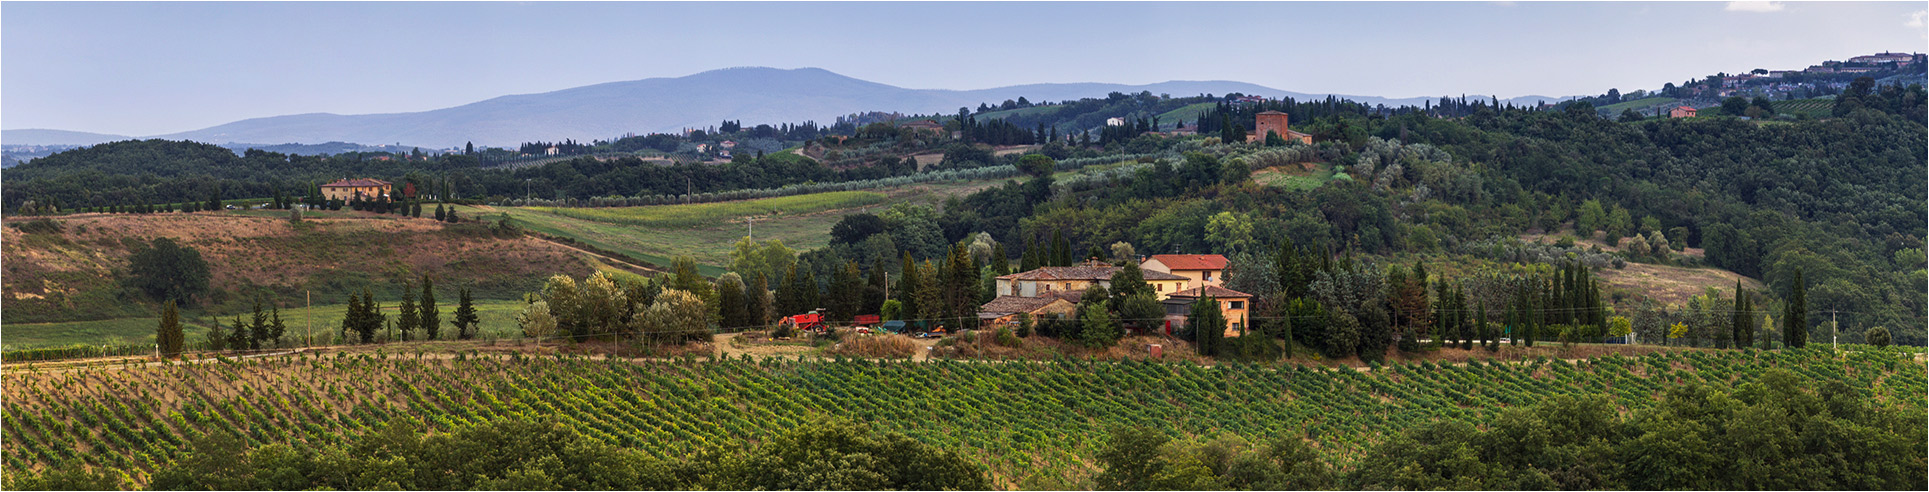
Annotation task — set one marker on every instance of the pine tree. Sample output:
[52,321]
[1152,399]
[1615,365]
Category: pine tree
[430,319]
[168,335]
[1795,314]
[351,317]
[238,336]
[466,321]
[409,317]
[372,317]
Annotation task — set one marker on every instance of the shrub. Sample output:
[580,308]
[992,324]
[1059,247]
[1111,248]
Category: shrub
[879,346]
[1877,336]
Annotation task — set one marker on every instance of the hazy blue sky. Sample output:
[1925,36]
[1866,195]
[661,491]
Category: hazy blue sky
[151,68]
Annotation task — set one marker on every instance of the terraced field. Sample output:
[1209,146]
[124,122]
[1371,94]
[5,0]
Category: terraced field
[1035,425]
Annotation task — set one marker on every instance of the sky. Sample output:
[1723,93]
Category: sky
[144,69]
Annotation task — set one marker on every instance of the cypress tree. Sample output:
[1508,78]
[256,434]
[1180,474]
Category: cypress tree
[1000,264]
[258,327]
[276,329]
[168,335]
[1061,249]
[758,309]
[467,322]
[732,304]
[439,213]
[429,319]
[1030,261]
[1208,326]
[1795,314]
[907,292]
[1739,320]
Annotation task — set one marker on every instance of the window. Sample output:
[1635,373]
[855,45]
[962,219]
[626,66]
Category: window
[1238,304]
[1161,287]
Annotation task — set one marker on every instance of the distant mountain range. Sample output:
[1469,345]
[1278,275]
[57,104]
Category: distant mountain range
[658,105]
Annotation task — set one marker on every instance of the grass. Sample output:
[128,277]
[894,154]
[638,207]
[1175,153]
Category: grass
[1614,110]
[710,243]
[705,214]
[990,115]
[1294,178]
[498,316]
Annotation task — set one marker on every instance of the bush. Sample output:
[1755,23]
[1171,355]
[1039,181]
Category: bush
[168,270]
[1877,336]
[879,346]
[1006,338]
[39,226]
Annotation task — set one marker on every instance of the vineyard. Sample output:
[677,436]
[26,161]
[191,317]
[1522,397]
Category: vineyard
[1813,108]
[711,214]
[1030,423]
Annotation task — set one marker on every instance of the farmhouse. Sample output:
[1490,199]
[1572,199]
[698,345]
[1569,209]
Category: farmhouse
[1681,112]
[359,188]
[1199,270]
[1233,304]
[1047,280]
[1005,309]
[1115,121]
[1275,122]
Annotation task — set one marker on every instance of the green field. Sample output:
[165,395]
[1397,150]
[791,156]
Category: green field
[1033,425]
[1614,110]
[498,316]
[1186,114]
[709,214]
[991,115]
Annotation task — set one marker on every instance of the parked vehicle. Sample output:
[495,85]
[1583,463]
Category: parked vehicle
[807,322]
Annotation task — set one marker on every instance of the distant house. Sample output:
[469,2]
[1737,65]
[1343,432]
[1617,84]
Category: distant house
[552,151]
[1199,270]
[359,188]
[1249,99]
[1115,121]
[1046,280]
[1885,57]
[1276,122]
[926,125]
[1235,305]
[727,144]
[1681,112]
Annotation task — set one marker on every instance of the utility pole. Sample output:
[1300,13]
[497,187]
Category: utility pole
[1834,331]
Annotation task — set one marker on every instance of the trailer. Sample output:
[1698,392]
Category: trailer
[807,322]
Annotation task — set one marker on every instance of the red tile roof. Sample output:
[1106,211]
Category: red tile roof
[355,183]
[1212,291]
[1192,262]
[1087,271]
[1004,305]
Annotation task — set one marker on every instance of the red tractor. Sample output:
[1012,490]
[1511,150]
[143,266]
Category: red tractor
[807,322]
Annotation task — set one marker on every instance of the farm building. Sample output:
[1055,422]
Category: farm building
[1046,280]
[1005,309]
[1681,112]
[1276,122]
[350,189]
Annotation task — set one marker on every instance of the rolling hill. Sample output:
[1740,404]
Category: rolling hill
[753,95]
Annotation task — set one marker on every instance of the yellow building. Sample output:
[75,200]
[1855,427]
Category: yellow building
[350,189]
[1201,270]
[1235,305]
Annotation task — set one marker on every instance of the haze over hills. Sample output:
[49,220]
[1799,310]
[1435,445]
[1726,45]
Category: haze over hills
[41,136]
[753,95]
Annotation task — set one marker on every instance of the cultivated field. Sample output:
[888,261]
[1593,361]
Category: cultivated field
[1035,424]
[706,231]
